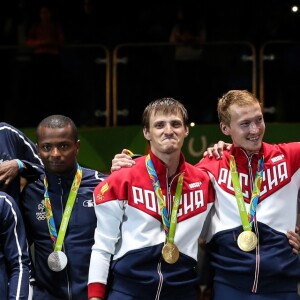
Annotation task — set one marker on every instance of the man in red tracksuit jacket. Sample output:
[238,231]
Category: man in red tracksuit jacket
[251,256]
[149,218]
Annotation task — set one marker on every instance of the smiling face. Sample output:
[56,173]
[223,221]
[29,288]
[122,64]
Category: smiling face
[57,149]
[166,133]
[241,118]
[247,126]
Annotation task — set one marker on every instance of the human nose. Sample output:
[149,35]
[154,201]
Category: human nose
[254,127]
[55,151]
[168,129]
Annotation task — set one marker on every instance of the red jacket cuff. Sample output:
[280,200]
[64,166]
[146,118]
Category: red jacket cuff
[96,289]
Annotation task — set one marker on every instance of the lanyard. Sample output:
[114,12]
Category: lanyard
[169,224]
[59,238]
[247,219]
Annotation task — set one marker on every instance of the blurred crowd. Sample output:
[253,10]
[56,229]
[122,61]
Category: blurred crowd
[110,23]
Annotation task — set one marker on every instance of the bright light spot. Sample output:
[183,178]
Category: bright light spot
[295,8]
[192,124]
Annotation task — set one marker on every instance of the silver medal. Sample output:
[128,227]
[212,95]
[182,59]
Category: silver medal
[57,261]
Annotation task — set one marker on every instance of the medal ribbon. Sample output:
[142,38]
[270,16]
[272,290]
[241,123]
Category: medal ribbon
[247,219]
[59,238]
[169,224]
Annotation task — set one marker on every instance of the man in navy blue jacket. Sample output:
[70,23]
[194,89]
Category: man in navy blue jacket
[14,256]
[59,214]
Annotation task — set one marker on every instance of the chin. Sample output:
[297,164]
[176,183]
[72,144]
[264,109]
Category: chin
[56,169]
[170,150]
[254,148]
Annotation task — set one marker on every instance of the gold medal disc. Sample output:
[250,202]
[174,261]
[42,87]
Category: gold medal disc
[170,253]
[247,241]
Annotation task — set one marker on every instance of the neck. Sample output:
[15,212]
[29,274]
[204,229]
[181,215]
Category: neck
[249,153]
[65,173]
[171,161]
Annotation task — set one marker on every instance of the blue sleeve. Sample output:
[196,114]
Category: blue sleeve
[14,248]
[17,144]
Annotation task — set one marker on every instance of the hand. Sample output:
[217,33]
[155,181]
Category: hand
[9,169]
[122,160]
[217,150]
[294,239]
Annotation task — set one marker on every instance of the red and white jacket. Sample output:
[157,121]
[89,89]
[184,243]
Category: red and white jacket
[272,266]
[129,229]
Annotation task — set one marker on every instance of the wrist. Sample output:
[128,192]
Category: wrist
[20,165]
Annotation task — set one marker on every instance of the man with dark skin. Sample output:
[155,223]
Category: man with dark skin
[58,213]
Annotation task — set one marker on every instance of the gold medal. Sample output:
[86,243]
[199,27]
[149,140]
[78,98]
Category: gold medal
[247,241]
[170,253]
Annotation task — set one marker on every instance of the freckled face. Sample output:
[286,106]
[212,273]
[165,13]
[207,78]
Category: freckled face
[166,133]
[247,127]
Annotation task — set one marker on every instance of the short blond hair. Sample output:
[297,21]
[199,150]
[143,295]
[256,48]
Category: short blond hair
[239,97]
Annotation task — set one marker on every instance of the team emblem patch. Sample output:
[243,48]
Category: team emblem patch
[104,189]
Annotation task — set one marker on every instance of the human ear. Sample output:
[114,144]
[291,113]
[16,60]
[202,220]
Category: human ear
[146,134]
[225,129]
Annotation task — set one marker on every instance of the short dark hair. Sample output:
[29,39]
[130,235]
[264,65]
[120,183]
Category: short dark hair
[166,105]
[58,121]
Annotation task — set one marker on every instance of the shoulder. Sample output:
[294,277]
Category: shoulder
[21,143]
[7,128]
[3,124]
[91,178]
[120,178]
[6,197]
[291,149]
[7,204]
[207,163]
[193,172]
[129,172]
[284,152]
[122,174]
[87,172]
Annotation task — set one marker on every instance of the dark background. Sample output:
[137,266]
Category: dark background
[125,21]
[115,22]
